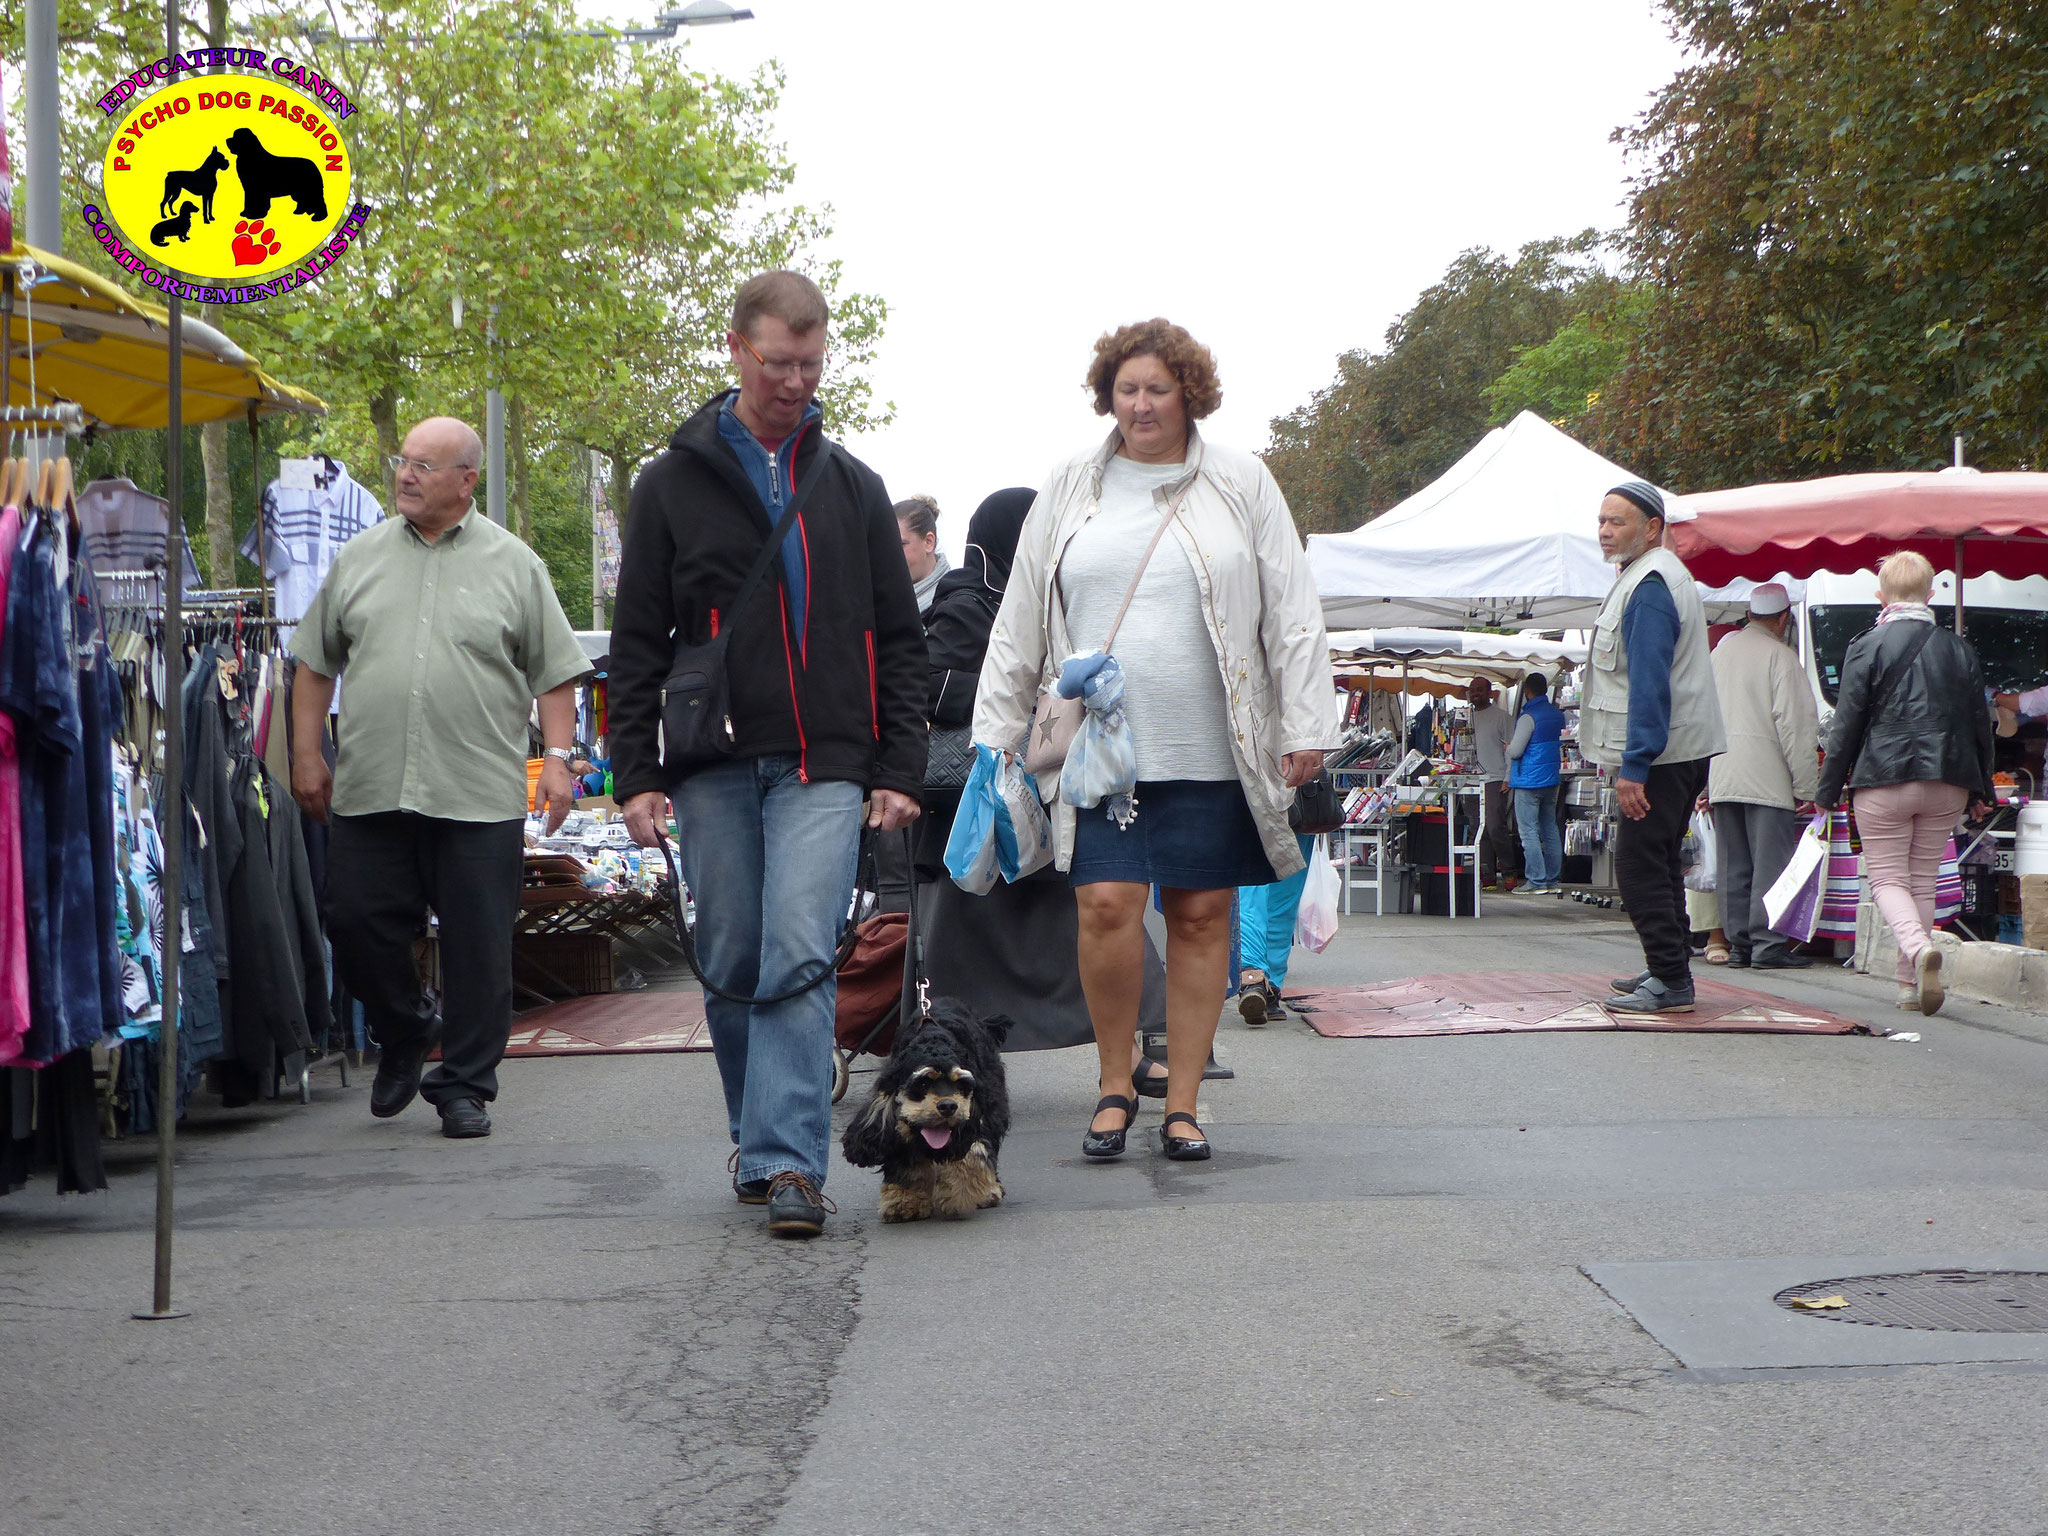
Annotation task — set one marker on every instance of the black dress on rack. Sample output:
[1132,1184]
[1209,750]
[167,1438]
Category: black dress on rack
[274,977]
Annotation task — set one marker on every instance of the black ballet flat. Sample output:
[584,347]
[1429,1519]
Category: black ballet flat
[1150,1084]
[1102,1144]
[1183,1149]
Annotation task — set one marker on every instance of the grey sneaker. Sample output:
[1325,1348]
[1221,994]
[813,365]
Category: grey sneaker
[1653,996]
[1627,984]
[796,1206]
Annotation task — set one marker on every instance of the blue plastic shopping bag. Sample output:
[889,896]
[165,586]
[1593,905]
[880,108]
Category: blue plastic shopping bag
[972,855]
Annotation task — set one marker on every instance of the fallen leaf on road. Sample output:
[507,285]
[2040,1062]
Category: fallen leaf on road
[1819,1303]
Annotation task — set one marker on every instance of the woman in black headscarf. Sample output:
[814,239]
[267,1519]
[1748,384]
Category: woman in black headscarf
[1011,951]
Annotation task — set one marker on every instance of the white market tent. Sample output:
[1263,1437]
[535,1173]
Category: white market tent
[1505,537]
[1441,661]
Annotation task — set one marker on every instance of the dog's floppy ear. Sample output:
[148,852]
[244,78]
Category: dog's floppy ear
[999,1026]
[866,1142]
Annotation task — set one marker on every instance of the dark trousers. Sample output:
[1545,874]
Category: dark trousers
[1502,853]
[1753,844]
[383,873]
[1646,869]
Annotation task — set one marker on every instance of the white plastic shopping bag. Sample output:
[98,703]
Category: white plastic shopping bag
[1315,924]
[1793,903]
[1023,830]
[1700,866]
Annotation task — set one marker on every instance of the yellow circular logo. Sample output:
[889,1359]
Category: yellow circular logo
[227,177]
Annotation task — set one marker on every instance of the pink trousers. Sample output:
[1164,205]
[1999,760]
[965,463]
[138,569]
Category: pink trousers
[1905,830]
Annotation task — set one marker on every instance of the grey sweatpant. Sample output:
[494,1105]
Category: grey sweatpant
[1755,843]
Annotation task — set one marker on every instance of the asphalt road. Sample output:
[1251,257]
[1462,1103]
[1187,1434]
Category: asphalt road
[1366,1314]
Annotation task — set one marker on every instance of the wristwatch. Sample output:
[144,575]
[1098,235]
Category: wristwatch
[563,753]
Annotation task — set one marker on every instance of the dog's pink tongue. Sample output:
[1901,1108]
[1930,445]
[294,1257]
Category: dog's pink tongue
[937,1137]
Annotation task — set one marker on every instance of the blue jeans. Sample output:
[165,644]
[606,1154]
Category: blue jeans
[1542,841]
[770,862]
[1265,922]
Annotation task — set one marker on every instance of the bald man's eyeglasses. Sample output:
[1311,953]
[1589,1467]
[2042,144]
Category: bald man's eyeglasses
[399,461]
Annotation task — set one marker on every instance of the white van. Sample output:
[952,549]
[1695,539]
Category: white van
[2007,622]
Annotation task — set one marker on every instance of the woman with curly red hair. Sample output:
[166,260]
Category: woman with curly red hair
[1227,696]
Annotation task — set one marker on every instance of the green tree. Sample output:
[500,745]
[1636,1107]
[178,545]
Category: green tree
[1394,420]
[1842,213]
[1561,379]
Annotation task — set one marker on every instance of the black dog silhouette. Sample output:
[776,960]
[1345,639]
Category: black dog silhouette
[179,225]
[199,183]
[265,176]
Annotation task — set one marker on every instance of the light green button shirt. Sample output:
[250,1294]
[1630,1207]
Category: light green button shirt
[443,648]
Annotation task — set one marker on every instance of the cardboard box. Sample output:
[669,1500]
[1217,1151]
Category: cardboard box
[2034,910]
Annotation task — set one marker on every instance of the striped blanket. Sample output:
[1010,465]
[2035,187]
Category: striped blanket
[1845,881]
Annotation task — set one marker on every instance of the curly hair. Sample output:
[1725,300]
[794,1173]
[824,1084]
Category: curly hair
[1192,363]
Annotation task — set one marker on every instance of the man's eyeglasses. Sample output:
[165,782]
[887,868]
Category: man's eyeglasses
[399,461]
[810,370]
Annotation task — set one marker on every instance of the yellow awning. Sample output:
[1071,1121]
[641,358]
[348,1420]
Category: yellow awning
[108,352]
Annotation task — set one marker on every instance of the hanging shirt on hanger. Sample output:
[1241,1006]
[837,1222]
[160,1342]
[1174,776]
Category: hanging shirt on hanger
[310,510]
[13,913]
[127,529]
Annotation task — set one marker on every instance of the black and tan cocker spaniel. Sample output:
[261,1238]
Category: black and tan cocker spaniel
[936,1119]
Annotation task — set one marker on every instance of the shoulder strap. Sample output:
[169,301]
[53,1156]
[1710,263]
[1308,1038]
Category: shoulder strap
[804,487]
[1137,576]
[1900,662]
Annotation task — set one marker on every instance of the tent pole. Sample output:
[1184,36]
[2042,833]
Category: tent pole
[174,784]
[1959,576]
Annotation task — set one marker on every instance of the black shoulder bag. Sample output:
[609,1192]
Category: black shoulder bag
[696,701]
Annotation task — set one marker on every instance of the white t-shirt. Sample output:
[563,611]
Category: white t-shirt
[1173,688]
[1491,730]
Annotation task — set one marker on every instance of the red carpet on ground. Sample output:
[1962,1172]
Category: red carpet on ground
[613,1024]
[1500,1002]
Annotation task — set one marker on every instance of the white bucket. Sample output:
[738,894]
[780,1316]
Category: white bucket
[2030,846]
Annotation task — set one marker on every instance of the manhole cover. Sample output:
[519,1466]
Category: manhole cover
[1953,1300]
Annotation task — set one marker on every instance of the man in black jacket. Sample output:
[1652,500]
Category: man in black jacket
[828,676]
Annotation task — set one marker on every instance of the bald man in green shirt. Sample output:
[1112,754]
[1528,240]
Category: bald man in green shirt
[448,631]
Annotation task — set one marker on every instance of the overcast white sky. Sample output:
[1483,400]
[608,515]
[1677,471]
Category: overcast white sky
[1282,179]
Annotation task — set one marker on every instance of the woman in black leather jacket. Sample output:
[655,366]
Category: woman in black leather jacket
[1912,736]
[1011,951]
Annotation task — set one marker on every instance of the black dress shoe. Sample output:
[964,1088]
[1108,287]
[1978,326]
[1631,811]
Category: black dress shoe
[463,1118]
[1103,1144]
[747,1191]
[796,1206]
[398,1078]
[1183,1149]
[1784,962]
[1738,960]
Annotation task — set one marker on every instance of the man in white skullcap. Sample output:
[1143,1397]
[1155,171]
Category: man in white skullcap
[1764,784]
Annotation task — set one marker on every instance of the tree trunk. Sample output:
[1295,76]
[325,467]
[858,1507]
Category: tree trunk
[522,474]
[220,505]
[384,416]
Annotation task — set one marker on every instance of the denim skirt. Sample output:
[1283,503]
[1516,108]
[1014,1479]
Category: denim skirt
[1188,835]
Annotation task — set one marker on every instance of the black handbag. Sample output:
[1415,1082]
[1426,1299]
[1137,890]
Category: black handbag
[1317,808]
[950,758]
[696,701]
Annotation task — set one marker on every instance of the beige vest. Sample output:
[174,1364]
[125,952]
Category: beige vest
[1695,706]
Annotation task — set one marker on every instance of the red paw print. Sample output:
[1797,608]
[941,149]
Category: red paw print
[254,244]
